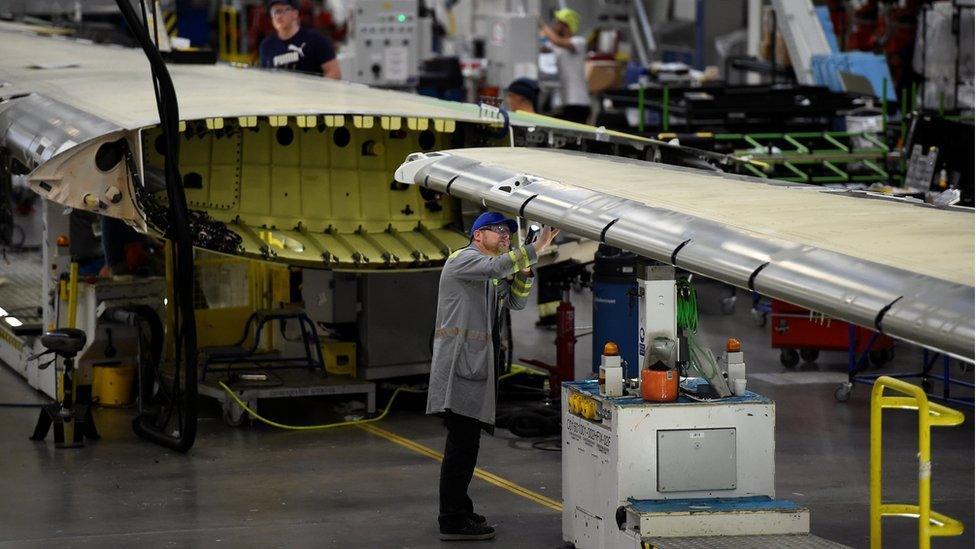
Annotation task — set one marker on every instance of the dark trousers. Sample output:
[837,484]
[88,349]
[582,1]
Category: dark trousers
[460,457]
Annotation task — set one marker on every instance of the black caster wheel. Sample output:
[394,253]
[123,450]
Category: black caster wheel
[234,416]
[809,355]
[789,357]
[843,392]
[926,386]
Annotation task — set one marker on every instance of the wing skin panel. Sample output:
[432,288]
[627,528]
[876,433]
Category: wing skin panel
[112,82]
[580,210]
[915,238]
[76,72]
[260,151]
[936,310]
[734,257]
[909,305]
[838,286]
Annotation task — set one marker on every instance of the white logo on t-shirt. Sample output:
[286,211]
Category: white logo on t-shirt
[294,54]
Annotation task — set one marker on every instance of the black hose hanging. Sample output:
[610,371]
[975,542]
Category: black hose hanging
[151,387]
[173,423]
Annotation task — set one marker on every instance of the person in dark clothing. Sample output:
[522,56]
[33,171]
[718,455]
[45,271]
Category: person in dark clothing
[84,245]
[296,48]
[523,95]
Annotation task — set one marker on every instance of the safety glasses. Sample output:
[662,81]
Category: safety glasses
[500,230]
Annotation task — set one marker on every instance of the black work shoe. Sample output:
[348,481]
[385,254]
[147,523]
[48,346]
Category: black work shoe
[477,519]
[467,530]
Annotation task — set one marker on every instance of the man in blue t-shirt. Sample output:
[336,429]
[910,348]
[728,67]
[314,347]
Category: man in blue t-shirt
[294,47]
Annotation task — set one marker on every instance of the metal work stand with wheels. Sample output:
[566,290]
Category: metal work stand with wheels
[288,384]
[879,357]
[238,353]
[303,375]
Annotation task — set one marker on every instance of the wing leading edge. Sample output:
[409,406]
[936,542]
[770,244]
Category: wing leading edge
[915,284]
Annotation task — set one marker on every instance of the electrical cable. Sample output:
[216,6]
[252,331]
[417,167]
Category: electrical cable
[159,426]
[272,423]
[701,358]
[529,421]
[237,400]
[537,421]
[541,445]
[687,305]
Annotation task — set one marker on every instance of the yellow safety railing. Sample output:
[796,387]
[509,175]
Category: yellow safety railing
[930,415]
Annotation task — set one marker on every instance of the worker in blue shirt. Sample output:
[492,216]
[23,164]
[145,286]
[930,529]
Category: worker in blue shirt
[296,48]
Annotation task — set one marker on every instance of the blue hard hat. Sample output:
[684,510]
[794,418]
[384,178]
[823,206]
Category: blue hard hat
[493,218]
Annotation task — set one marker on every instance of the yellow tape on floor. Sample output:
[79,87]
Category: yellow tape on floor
[478,472]
[366,425]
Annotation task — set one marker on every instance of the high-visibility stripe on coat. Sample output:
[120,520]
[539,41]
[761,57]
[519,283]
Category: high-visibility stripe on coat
[473,286]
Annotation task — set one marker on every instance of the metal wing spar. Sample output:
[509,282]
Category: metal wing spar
[905,269]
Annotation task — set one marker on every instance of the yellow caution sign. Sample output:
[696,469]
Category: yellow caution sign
[169,21]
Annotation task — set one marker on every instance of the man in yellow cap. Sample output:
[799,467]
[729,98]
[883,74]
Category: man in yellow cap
[573,100]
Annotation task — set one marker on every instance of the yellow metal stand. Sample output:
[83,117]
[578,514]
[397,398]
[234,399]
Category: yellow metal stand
[229,35]
[72,295]
[67,291]
[930,415]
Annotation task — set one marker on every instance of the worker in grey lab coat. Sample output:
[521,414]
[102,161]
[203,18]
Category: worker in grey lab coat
[475,283]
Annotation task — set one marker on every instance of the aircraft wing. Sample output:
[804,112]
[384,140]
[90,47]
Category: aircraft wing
[903,268]
[278,166]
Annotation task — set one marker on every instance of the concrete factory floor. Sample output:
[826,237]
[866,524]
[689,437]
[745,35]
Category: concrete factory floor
[351,487]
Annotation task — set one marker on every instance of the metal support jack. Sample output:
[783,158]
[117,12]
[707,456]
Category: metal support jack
[72,417]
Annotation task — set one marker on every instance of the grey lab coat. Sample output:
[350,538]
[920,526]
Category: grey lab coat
[472,287]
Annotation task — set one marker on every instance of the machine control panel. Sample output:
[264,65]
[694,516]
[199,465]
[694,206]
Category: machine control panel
[387,42]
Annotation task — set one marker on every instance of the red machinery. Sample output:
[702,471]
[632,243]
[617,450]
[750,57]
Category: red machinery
[563,370]
[800,333]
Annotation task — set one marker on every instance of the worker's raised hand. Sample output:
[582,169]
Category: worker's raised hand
[546,237]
